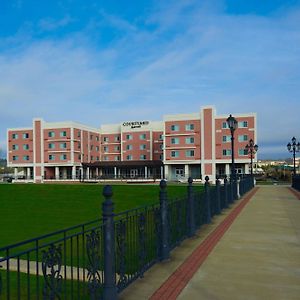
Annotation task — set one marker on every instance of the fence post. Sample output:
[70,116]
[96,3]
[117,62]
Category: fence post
[226,191]
[207,200]
[163,198]
[109,287]
[238,181]
[218,196]
[191,211]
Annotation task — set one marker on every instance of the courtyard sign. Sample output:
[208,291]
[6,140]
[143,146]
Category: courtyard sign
[136,124]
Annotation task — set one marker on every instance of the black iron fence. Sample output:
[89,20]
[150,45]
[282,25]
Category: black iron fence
[296,182]
[97,260]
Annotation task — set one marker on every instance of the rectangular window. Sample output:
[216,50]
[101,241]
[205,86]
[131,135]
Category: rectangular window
[97,138]
[15,147]
[243,152]
[92,147]
[51,146]
[175,141]
[63,156]
[128,137]
[105,157]
[25,135]
[189,153]
[15,136]
[97,158]
[142,136]
[63,145]
[161,146]
[174,153]
[63,133]
[15,157]
[105,149]
[189,140]
[92,157]
[117,138]
[128,147]
[189,127]
[224,125]
[51,134]
[117,148]
[25,147]
[160,136]
[243,124]
[174,127]
[51,157]
[91,137]
[161,157]
[143,147]
[129,157]
[105,139]
[243,138]
[78,145]
[117,158]
[143,157]
[226,138]
[78,134]
[26,157]
[79,156]
[226,152]
[97,148]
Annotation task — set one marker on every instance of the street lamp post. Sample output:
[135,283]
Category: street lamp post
[293,148]
[251,149]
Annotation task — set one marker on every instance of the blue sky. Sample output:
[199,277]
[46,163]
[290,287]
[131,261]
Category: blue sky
[99,62]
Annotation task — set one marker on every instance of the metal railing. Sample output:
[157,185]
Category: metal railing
[296,182]
[99,259]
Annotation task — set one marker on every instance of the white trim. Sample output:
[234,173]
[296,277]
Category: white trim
[236,116]
[42,148]
[69,124]
[181,117]
[19,129]
[213,137]
[202,142]
[72,144]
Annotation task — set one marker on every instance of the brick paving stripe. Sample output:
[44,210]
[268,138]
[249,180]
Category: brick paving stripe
[173,286]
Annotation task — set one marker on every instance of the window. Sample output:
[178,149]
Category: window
[78,145]
[117,148]
[117,138]
[161,156]
[51,134]
[174,141]
[97,138]
[117,158]
[128,147]
[26,157]
[189,127]
[105,139]
[224,125]
[63,156]
[189,140]
[15,136]
[105,157]
[142,136]
[243,124]
[128,137]
[97,148]
[63,133]
[226,152]
[92,157]
[174,153]
[189,153]
[78,134]
[51,146]
[97,158]
[15,157]
[143,147]
[243,138]
[51,157]
[129,157]
[15,147]
[92,147]
[25,135]
[79,156]
[226,138]
[91,137]
[105,149]
[243,152]
[143,157]
[174,127]
[161,146]
[160,136]
[25,147]
[63,145]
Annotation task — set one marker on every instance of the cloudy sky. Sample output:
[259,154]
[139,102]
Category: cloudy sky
[98,62]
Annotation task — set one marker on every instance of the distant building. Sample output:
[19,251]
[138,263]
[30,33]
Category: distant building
[180,146]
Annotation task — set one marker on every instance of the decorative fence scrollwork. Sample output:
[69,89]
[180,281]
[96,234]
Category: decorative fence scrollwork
[94,254]
[142,242]
[121,254]
[51,266]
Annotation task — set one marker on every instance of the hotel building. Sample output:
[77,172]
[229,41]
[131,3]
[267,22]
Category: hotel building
[180,146]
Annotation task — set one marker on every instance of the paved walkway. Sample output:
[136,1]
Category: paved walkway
[251,251]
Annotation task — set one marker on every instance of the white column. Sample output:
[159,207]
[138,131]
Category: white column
[161,172]
[16,173]
[88,173]
[28,173]
[247,169]
[238,188]
[146,172]
[97,172]
[73,172]
[227,169]
[56,173]
[186,171]
[166,171]
[115,172]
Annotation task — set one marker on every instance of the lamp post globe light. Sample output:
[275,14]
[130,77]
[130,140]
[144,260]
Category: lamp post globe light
[293,148]
[232,124]
[251,149]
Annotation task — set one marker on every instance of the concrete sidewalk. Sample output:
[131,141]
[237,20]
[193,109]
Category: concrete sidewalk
[257,258]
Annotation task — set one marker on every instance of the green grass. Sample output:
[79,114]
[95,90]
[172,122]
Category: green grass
[29,210]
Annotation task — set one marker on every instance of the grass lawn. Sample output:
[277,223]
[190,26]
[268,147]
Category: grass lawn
[30,210]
